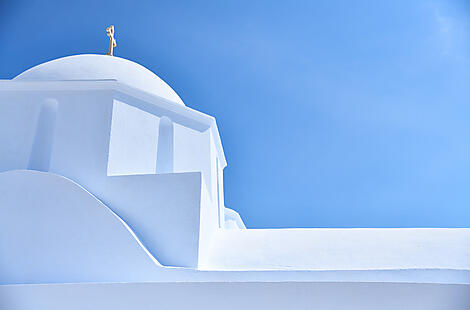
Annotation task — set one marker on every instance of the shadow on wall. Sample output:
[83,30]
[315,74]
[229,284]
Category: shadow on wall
[165,146]
[44,136]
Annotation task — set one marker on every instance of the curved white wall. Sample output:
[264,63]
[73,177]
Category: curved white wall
[52,230]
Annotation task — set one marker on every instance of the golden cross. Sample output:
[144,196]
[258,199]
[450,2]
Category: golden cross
[112,41]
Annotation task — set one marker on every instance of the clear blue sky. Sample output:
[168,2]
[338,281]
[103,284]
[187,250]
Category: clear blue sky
[332,113]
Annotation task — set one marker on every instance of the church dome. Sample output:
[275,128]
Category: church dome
[101,67]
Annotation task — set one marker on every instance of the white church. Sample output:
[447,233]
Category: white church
[112,197]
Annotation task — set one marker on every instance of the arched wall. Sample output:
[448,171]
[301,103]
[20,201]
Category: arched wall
[53,231]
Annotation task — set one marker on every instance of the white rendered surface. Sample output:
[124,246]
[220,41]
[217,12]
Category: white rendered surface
[19,99]
[232,219]
[101,67]
[133,141]
[52,230]
[341,249]
[236,296]
[131,190]
[163,209]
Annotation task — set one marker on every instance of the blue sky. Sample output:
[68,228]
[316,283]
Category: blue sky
[331,113]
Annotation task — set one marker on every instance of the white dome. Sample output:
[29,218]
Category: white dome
[100,67]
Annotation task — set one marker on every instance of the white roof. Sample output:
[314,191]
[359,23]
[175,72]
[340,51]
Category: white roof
[341,249]
[101,67]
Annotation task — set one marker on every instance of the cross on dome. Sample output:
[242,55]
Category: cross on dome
[112,40]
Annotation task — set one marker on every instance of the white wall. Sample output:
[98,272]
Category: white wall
[53,231]
[236,296]
[209,226]
[19,114]
[192,153]
[163,210]
[133,142]
[96,140]
[341,249]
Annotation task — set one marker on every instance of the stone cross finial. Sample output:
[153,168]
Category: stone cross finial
[112,41]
